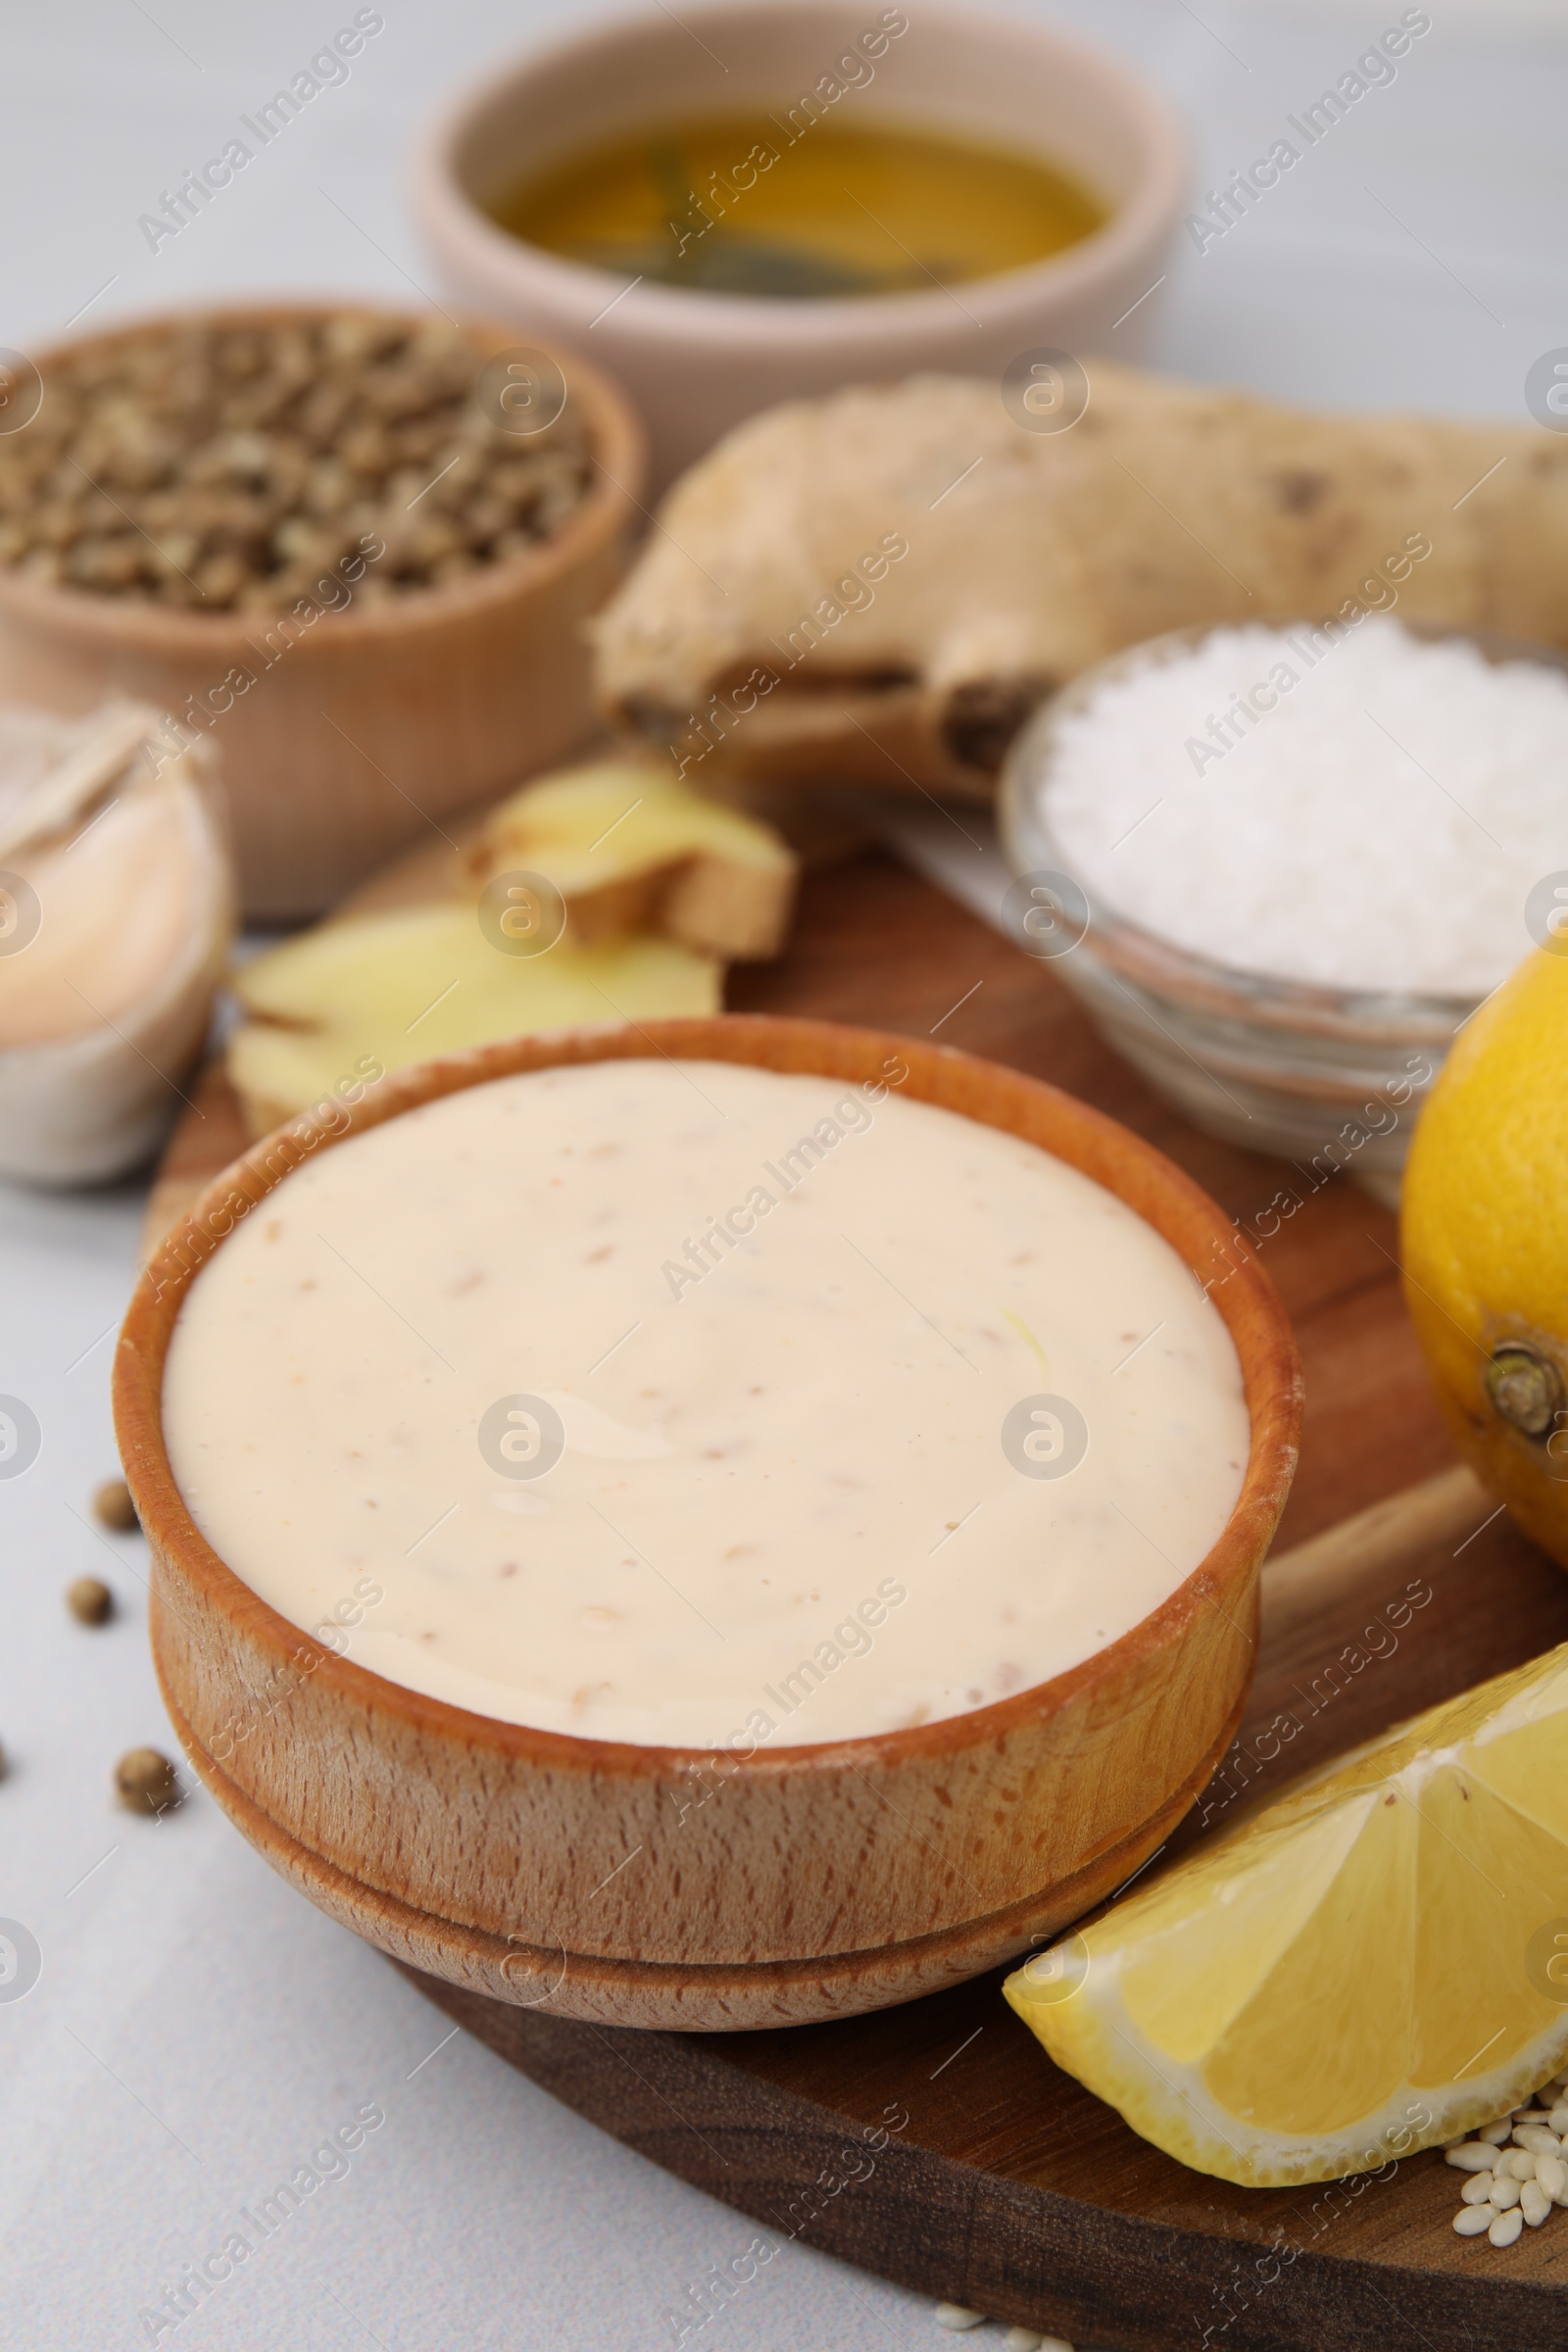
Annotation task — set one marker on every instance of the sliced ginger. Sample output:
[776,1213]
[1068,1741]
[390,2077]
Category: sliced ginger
[629,846]
[658,884]
[376,992]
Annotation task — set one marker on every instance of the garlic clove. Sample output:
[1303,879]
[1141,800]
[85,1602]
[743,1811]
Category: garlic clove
[116,917]
[54,770]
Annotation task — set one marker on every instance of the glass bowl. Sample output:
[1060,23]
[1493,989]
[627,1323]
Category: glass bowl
[1331,1079]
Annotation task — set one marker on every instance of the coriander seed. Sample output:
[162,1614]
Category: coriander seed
[90,1600]
[145,1779]
[112,1506]
[212,465]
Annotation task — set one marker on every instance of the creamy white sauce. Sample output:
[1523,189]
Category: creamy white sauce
[784,1512]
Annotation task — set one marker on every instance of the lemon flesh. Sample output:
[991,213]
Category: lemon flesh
[1375,1962]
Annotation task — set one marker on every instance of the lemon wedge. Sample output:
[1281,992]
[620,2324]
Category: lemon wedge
[1375,1962]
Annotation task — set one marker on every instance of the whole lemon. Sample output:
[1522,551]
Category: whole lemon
[1484,1228]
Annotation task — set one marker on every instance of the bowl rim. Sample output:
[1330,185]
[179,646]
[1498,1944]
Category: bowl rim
[783,323]
[618,452]
[1260,1001]
[1246,1301]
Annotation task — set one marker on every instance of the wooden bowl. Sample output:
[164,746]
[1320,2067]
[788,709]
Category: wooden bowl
[376,721]
[799,1884]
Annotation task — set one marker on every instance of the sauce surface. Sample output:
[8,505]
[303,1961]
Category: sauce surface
[700,1405]
[790,205]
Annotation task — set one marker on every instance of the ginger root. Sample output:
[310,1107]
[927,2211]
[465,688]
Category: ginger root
[881,584]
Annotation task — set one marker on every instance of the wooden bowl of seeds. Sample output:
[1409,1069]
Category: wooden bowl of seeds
[352,547]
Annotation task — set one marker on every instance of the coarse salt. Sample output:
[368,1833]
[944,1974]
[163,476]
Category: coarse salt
[1367,811]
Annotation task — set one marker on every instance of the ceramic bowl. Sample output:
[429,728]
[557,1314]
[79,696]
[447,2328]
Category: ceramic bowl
[697,362]
[794,1885]
[372,726]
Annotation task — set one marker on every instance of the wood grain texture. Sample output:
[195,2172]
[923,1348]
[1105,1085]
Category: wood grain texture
[772,1883]
[354,738]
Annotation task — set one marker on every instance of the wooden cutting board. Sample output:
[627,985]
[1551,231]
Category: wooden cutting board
[935,2144]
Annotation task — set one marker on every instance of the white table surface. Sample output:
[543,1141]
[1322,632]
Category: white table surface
[198,2029]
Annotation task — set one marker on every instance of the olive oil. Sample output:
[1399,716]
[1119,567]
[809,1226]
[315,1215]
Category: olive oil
[788,204]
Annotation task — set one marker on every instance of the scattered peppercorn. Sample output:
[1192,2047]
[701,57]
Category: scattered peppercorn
[112,1506]
[90,1600]
[239,467]
[145,1781]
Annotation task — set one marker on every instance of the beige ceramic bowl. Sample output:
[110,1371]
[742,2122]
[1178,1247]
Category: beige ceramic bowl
[697,362]
[791,1885]
[375,723]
